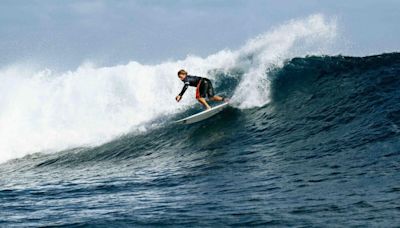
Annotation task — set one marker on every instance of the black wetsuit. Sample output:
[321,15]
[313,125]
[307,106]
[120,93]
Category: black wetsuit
[204,86]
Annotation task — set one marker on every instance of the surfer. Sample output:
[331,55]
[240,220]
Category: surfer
[204,88]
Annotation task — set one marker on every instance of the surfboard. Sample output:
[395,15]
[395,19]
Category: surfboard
[202,115]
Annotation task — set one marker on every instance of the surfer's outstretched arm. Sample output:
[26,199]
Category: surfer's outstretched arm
[184,89]
[179,97]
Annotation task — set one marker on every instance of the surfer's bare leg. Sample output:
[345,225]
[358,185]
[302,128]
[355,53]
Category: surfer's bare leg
[217,98]
[203,102]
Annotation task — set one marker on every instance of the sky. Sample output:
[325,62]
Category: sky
[64,34]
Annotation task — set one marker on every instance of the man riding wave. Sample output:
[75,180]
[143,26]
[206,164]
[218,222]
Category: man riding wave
[204,88]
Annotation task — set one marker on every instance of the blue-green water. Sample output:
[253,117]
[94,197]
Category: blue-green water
[325,151]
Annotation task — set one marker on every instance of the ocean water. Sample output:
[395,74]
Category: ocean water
[311,140]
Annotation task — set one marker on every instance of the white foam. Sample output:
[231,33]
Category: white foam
[296,38]
[45,111]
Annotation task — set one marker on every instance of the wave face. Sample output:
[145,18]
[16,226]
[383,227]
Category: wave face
[310,141]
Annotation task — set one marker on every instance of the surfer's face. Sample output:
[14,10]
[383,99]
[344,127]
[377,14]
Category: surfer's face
[182,76]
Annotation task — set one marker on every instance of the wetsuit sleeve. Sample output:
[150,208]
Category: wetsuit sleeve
[184,89]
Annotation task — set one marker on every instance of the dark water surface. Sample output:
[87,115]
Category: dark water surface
[324,152]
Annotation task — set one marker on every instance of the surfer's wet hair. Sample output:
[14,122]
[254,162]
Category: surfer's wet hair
[182,72]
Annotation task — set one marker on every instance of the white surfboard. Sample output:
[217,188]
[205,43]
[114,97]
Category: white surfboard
[203,115]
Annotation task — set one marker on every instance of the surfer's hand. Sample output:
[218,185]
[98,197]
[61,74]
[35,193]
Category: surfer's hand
[178,98]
